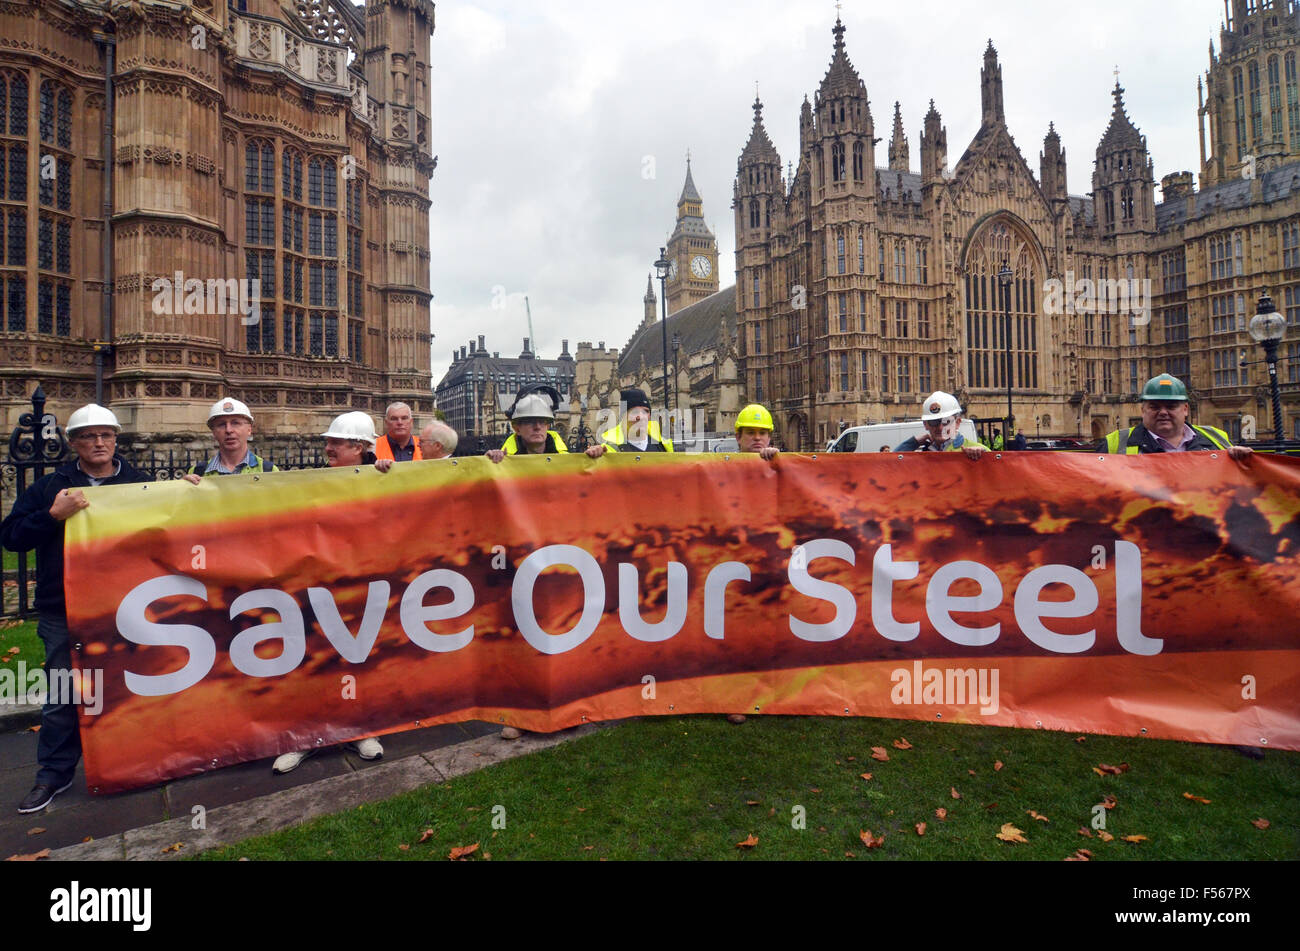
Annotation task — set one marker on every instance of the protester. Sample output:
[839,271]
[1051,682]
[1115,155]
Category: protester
[1019,443]
[642,433]
[349,441]
[231,424]
[941,417]
[997,439]
[438,440]
[397,443]
[754,431]
[1164,426]
[37,521]
[531,417]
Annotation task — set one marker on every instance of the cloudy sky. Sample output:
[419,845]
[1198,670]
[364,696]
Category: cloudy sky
[562,126]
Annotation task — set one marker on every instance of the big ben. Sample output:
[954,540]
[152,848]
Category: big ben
[692,251]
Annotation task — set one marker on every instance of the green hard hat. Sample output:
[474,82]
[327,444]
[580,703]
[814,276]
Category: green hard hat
[1164,387]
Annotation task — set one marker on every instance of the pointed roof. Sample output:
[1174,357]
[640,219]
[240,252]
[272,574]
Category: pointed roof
[898,122]
[933,113]
[1121,133]
[688,190]
[759,146]
[649,290]
[841,78]
[1052,139]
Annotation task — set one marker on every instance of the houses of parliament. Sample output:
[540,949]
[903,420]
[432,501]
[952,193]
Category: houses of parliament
[177,145]
[861,289]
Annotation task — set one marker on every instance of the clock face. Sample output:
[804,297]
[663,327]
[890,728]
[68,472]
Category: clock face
[700,266]
[672,271]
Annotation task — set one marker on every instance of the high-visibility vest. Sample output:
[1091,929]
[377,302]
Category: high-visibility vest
[259,465]
[1118,441]
[511,445]
[614,440]
[385,451]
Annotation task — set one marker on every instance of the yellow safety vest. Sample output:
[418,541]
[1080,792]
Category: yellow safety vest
[1118,441]
[613,438]
[511,445]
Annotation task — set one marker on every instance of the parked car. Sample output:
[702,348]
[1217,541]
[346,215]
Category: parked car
[872,438]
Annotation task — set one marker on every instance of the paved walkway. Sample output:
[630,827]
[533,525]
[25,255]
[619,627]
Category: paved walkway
[237,801]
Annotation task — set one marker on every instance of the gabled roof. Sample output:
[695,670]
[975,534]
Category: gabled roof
[696,326]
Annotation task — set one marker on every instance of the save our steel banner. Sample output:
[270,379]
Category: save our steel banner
[253,615]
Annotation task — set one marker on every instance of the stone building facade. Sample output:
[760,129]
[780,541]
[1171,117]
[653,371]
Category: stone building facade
[861,289]
[160,156]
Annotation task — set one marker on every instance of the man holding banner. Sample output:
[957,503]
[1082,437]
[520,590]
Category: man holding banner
[37,521]
[1164,426]
[941,417]
[231,424]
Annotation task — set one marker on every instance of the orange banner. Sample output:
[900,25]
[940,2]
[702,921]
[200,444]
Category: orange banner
[254,615]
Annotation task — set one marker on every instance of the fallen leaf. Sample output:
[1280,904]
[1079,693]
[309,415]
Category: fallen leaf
[1037,815]
[34,729]
[866,776]
[1105,836]
[1109,801]
[1010,833]
[12,650]
[752,802]
[88,839]
[1103,769]
[487,857]
[42,854]
[920,828]
[902,744]
[878,752]
[1080,855]
[1260,823]
[851,759]
[1085,832]
[942,813]
[772,811]
[1134,838]
[587,848]
[35,830]
[997,765]
[426,835]
[461,851]
[403,847]
[971,772]
[174,847]
[1080,739]
[813,789]
[991,806]
[953,791]
[850,855]
[869,840]
[1084,852]
[581,808]
[750,841]
[1199,799]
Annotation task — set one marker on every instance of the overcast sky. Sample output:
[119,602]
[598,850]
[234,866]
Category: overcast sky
[562,126]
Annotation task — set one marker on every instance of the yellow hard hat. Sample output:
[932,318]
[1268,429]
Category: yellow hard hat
[754,416]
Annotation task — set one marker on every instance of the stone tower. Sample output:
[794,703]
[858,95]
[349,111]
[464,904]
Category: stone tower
[1123,182]
[692,251]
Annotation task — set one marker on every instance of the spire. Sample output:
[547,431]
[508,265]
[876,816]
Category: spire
[1121,133]
[899,159]
[991,89]
[759,146]
[1052,139]
[841,78]
[934,146]
[649,290]
[688,190]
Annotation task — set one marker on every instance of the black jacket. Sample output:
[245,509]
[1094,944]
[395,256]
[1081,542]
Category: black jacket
[30,525]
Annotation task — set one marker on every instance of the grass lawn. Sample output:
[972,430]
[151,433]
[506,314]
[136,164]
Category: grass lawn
[694,787]
[22,635]
[11,560]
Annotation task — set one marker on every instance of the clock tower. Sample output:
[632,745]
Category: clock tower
[692,251]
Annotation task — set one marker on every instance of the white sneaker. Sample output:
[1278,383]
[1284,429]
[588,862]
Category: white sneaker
[288,762]
[369,748]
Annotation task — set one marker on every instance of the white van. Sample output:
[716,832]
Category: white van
[871,438]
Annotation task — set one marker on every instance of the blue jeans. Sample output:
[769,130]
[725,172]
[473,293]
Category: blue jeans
[58,745]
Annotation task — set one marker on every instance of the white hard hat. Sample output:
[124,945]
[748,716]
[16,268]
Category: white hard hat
[533,406]
[92,414]
[228,407]
[354,425]
[940,405]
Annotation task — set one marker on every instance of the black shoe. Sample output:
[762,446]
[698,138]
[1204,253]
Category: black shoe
[41,796]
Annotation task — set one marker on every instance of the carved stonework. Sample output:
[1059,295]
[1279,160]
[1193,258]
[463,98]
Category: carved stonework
[326,23]
[293,53]
[259,40]
[326,66]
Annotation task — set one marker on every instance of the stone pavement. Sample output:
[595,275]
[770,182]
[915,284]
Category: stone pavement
[238,801]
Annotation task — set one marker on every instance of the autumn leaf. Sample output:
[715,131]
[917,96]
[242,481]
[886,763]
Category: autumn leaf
[1260,823]
[174,847]
[1037,815]
[851,759]
[866,776]
[460,852]
[42,854]
[752,802]
[971,772]
[953,792]
[991,806]
[1105,836]
[1010,833]
[426,835]
[1080,855]
[1103,769]
[34,729]
[878,752]
[997,766]
[1080,739]
[942,814]
[1085,832]
[813,789]
[1134,838]
[902,744]
[920,828]
[587,848]
[869,840]
[1109,801]
[12,650]
[403,847]
[750,841]
[581,808]
[1199,799]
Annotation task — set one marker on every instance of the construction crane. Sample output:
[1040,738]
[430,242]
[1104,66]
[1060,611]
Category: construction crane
[532,341]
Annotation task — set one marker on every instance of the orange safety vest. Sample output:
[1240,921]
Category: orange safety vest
[384,451]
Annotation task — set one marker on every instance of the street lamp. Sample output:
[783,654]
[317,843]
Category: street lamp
[1004,278]
[677,346]
[661,271]
[1268,327]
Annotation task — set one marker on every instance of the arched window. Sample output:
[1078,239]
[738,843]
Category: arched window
[859,162]
[1001,241]
[837,162]
[1126,203]
[259,166]
[753,212]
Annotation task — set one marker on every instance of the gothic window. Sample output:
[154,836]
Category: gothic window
[900,263]
[45,242]
[767,214]
[356,341]
[1108,209]
[322,183]
[291,175]
[316,345]
[923,322]
[923,375]
[63,310]
[753,212]
[13,93]
[859,162]
[259,166]
[844,317]
[18,172]
[986,304]
[1126,203]
[900,319]
[1292,102]
[844,370]
[1239,110]
[884,373]
[16,238]
[862,253]
[904,375]
[881,249]
[817,165]
[1256,123]
[837,162]
[1274,100]
[45,307]
[922,266]
[866,385]
[16,302]
[839,253]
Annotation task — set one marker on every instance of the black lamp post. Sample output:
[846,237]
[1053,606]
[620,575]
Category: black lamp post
[661,271]
[1004,278]
[677,346]
[1268,327]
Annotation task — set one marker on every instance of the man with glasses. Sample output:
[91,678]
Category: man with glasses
[941,417]
[1164,426]
[231,423]
[36,521]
